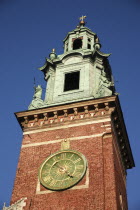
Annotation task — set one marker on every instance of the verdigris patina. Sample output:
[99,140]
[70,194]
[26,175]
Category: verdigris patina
[82,57]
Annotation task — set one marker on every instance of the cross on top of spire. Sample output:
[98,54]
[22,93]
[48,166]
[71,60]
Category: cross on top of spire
[82,18]
[82,22]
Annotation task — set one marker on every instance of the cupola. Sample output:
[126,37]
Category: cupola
[80,38]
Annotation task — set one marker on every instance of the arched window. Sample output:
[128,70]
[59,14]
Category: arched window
[77,44]
[89,43]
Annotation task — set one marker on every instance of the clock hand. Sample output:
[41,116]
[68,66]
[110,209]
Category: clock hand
[63,168]
[59,166]
[68,173]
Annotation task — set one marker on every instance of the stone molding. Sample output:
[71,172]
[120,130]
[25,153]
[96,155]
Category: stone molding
[74,123]
[31,119]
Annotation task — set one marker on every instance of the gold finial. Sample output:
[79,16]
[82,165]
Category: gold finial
[97,40]
[53,50]
[82,22]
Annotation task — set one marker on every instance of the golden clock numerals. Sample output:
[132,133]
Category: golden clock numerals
[63,155]
[47,179]
[77,174]
[60,183]
[77,160]
[47,165]
[53,182]
[79,167]
[55,158]
[65,183]
[71,156]
[57,175]
[44,173]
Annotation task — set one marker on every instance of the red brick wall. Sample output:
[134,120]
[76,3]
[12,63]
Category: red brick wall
[102,162]
[120,177]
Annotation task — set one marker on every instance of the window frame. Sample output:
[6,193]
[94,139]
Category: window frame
[65,87]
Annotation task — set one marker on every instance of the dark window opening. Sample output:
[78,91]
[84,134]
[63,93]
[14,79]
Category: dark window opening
[89,46]
[89,39]
[77,44]
[72,81]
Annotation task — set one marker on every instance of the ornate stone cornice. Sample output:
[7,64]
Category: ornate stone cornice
[84,110]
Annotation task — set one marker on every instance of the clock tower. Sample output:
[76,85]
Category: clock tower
[75,150]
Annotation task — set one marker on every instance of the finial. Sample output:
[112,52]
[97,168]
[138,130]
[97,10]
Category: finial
[53,54]
[97,44]
[97,40]
[82,22]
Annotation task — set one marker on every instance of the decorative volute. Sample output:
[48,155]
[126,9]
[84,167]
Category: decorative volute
[82,72]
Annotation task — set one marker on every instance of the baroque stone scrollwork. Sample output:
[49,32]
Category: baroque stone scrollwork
[19,205]
[104,86]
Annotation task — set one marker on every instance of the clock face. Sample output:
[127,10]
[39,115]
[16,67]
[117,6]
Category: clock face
[62,170]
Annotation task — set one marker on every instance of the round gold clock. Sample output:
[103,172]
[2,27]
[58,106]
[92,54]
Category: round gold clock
[62,170]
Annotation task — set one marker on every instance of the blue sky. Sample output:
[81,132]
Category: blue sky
[29,30]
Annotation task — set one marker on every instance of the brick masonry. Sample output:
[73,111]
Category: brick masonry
[105,169]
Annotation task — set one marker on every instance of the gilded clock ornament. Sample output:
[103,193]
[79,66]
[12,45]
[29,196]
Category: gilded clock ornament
[62,170]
